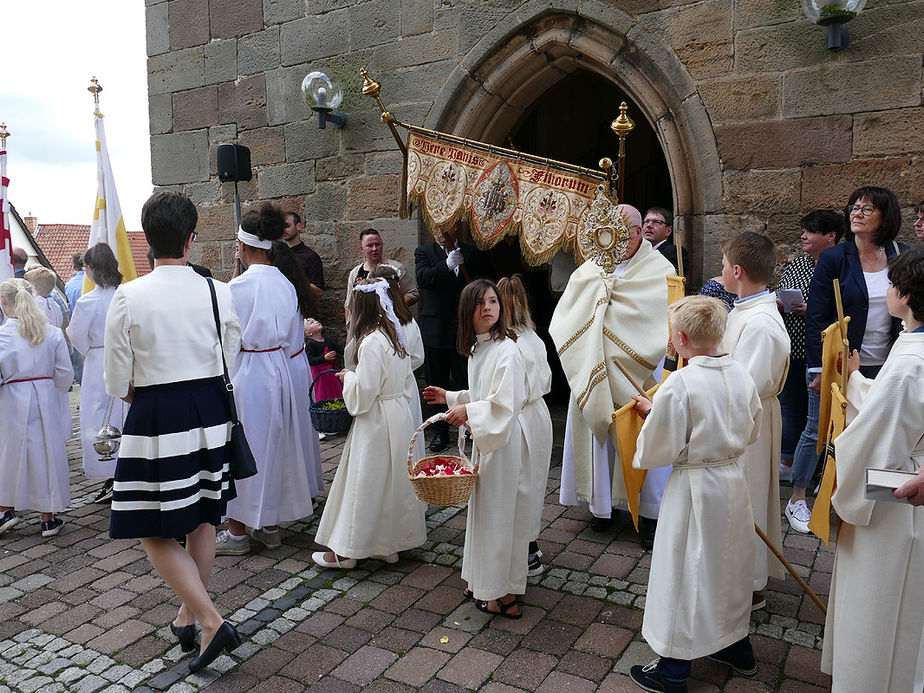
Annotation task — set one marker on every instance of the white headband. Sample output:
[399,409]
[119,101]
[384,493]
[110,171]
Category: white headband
[252,240]
[380,287]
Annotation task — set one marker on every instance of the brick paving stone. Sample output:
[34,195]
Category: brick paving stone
[347,638]
[418,666]
[578,611]
[397,598]
[495,687]
[278,684]
[804,664]
[320,624]
[386,686]
[791,686]
[531,616]
[43,613]
[552,637]
[470,667]
[266,662]
[144,650]
[365,665]
[370,619]
[455,639]
[415,619]
[613,565]
[395,639]
[557,682]
[313,663]
[332,685]
[295,642]
[110,619]
[525,669]
[496,641]
[437,686]
[440,600]
[116,638]
[427,576]
[344,606]
[587,548]
[604,640]
[76,579]
[542,597]
[585,665]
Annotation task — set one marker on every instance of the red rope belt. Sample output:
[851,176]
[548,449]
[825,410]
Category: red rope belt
[261,351]
[25,380]
[297,352]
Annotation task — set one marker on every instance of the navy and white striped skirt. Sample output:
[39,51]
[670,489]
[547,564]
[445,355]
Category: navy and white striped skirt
[172,474]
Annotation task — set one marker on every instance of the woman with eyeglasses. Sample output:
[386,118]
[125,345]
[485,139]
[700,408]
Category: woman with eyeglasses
[918,221]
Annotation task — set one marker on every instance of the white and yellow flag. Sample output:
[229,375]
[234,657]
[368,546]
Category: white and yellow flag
[108,225]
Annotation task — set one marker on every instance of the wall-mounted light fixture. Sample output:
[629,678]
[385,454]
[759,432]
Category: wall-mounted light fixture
[323,94]
[833,14]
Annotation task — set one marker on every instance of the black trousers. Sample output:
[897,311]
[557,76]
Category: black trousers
[447,369]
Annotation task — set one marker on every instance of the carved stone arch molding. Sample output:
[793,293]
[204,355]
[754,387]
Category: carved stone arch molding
[541,42]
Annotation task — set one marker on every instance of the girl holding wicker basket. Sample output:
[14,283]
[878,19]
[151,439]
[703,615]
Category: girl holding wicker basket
[498,527]
[371,511]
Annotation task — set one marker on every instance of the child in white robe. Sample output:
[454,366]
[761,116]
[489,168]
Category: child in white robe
[699,587]
[266,393]
[35,373]
[875,622]
[371,511]
[757,339]
[536,417]
[499,523]
[86,331]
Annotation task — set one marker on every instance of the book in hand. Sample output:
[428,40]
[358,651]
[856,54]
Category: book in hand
[789,296]
[881,482]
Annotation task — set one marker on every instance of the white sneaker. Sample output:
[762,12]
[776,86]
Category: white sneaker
[226,544]
[798,515]
[270,540]
[785,472]
[322,436]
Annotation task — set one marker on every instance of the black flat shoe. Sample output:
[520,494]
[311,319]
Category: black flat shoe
[186,635]
[226,638]
[439,443]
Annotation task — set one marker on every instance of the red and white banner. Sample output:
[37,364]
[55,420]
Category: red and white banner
[6,239]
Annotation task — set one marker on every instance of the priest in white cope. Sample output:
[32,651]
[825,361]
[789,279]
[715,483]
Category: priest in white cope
[602,317]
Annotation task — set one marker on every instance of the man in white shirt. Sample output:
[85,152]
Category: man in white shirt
[373,250]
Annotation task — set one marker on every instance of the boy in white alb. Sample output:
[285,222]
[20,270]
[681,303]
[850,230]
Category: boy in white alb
[699,587]
[757,339]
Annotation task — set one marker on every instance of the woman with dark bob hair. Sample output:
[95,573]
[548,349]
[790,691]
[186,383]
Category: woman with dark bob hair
[163,356]
[86,331]
[861,264]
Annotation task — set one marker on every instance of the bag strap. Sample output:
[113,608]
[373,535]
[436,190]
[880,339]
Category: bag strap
[228,386]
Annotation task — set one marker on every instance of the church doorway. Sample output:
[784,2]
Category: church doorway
[570,122]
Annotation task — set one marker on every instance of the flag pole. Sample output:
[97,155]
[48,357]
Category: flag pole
[4,133]
[802,583]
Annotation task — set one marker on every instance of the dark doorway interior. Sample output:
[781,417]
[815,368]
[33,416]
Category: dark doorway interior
[571,123]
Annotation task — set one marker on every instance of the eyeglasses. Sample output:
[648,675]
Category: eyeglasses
[194,236]
[654,222]
[866,209]
[919,219]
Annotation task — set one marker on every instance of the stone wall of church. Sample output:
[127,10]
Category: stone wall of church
[795,126]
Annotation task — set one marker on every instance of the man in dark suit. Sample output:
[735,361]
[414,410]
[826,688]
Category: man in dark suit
[443,269]
[658,228]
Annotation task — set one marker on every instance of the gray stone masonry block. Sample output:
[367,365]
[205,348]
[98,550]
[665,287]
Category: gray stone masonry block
[373,23]
[220,61]
[415,50]
[222,133]
[477,20]
[887,83]
[182,157]
[207,193]
[305,141]
[328,203]
[319,36]
[278,11]
[384,163]
[284,101]
[157,34]
[160,113]
[258,52]
[176,71]
[340,167]
[416,17]
[287,179]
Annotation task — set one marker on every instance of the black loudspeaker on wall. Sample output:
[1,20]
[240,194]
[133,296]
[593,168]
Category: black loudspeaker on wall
[233,162]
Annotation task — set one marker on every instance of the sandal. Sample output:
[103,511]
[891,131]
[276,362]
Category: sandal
[468,594]
[503,608]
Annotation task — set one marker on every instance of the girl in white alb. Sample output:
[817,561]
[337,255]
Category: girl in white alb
[499,526]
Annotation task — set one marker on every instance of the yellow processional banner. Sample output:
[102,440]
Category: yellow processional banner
[820,522]
[499,192]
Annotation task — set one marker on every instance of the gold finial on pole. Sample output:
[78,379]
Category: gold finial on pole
[95,89]
[371,88]
[4,133]
[622,126]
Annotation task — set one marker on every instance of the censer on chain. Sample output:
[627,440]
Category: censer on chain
[109,437]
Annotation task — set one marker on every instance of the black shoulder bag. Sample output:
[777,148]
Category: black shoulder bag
[240,457]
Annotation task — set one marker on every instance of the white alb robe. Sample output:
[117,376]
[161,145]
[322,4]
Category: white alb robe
[267,401]
[498,528]
[311,446]
[86,331]
[874,630]
[36,420]
[699,586]
[537,422]
[596,313]
[415,351]
[757,339]
[371,509]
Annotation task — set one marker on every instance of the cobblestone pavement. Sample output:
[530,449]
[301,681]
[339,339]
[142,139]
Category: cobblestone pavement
[81,612]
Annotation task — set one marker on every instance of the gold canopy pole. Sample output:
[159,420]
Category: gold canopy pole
[622,126]
[4,133]
[94,89]
[371,88]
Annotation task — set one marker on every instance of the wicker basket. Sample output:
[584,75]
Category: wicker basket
[328,420]
[441,490]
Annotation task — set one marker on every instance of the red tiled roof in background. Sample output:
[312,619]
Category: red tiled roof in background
[59,242]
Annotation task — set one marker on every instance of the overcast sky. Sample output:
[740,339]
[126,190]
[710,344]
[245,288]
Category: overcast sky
[50,49]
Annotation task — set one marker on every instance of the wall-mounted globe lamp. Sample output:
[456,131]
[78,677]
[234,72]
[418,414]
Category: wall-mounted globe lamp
[833,14]
[323,94]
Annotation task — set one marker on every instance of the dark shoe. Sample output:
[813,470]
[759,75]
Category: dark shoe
[758,600]
[226,638]
[52,527]
[467,593]
[743,666]
[646,530]
[503,608]
[186,635]
[105,493]
[8,521]
[534,567]
[601,524]
[647,678]
[439,443]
